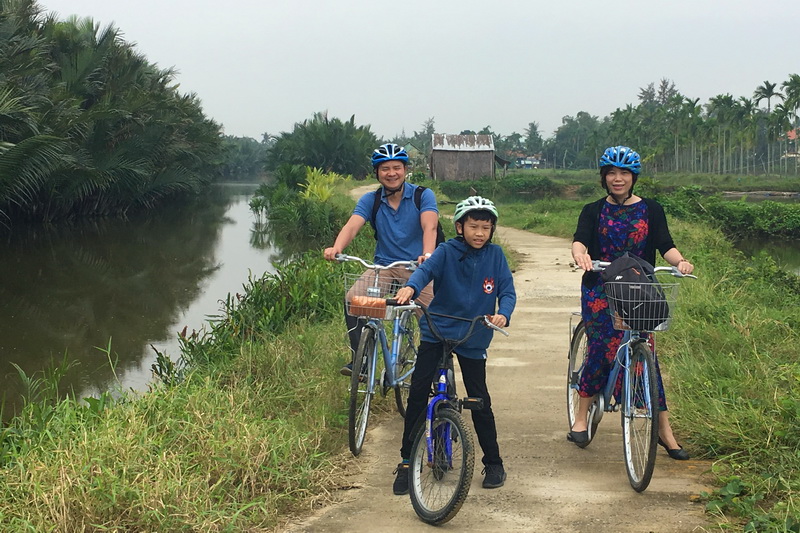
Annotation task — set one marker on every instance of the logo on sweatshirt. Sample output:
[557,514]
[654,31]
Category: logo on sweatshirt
[488,285]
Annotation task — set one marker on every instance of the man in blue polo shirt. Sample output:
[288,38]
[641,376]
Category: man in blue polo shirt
[403,231]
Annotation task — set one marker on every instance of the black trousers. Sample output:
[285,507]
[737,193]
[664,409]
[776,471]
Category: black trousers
[473,371]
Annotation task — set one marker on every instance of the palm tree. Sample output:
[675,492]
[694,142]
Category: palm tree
[721,109]
[766,91]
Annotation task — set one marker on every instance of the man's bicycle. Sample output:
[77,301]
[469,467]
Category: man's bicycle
[367,300]
[638,401]
[443,455]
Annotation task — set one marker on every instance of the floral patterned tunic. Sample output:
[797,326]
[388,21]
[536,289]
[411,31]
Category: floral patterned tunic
[621,228]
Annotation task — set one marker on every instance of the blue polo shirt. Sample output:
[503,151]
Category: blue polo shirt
[399,231]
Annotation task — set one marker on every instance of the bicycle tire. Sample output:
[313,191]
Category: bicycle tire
[438,490]
[361,390]
[406,359]
[640,417]
[578,352]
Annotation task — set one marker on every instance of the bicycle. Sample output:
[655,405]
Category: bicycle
[369,302]
[442,456]
[638,402]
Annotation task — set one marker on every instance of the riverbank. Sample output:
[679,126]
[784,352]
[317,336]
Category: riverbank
[248,428]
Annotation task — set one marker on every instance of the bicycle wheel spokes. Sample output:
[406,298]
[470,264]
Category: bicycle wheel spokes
[407,358]
[439,480]
[361,390]
[640,417]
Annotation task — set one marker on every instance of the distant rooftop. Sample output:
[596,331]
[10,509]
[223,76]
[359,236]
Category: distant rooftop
[462,143]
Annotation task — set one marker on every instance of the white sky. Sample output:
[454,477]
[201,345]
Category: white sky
[261,66]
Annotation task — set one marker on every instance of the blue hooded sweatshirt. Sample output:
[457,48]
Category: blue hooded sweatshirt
[467,282]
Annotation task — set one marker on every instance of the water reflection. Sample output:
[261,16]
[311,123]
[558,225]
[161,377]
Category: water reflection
[70,289]
[785,252]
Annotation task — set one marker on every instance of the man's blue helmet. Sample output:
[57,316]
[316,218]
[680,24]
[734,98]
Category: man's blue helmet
[389,152]
[622,157]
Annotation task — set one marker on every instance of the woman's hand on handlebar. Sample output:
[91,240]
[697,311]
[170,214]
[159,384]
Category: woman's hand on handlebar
[498,320]
[404,295]
[583,261]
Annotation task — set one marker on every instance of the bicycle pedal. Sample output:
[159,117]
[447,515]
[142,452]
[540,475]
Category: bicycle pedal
[472,403]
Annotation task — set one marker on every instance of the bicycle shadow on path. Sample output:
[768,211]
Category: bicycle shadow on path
[552,485]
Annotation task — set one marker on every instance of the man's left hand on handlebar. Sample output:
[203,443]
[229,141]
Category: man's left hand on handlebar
[331,253]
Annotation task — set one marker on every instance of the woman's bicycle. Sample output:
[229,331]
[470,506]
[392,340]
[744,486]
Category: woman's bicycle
[399,347]
[443,457]
[638,400]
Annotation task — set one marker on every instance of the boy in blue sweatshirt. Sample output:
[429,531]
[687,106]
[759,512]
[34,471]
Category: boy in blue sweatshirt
[470,277]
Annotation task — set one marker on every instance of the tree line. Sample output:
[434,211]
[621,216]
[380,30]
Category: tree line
[88,126]
[672,132]
[675,133]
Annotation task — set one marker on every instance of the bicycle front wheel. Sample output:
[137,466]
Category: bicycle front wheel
[640,417]
[406,359]
[361,390]
[578,352]
[439,482]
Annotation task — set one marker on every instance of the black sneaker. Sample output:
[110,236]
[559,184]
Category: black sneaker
[495,476]
[347,370]
[400,486]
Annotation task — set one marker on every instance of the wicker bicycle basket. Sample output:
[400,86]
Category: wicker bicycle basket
[366,298]
[641,306]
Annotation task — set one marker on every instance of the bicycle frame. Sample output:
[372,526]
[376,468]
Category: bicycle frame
[621,362]
[390,355]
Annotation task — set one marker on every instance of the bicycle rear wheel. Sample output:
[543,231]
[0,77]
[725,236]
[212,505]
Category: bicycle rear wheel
[406,359]
[361,390]
[439,484]
[578,352]
[640,417]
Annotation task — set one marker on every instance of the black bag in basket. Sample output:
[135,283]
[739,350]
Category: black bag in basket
[636,298]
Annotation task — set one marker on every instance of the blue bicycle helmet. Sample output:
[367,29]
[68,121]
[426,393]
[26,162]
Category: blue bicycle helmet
[388,152]
[622,157]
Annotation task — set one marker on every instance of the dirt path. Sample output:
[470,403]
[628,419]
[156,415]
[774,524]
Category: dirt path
[552,485]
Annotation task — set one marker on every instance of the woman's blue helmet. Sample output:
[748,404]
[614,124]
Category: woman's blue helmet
[388,152]
[622,157]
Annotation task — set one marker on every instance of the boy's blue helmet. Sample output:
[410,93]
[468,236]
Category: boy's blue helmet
[388,152]
[622,157]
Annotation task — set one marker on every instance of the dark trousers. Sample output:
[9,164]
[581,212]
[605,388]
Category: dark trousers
[473,371]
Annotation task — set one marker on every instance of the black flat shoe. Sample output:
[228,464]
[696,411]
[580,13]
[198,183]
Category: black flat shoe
[578,437]
[679,454]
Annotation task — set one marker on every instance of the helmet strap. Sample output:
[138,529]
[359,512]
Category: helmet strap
[387,192]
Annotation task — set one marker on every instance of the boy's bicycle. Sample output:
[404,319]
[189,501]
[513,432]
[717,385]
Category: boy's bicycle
[443,457]
[638,401]
[399,347]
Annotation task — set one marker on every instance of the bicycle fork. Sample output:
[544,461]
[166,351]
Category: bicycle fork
[445,394]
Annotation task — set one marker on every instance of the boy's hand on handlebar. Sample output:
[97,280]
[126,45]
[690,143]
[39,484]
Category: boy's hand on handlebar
[498,320]
[404,295]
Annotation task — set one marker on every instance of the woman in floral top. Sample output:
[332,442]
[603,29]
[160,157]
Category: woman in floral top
[618,223]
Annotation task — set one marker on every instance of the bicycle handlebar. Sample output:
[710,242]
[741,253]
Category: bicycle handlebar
[473,322]
[599,266]
[342,258]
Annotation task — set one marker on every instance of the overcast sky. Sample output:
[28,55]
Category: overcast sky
[261,66]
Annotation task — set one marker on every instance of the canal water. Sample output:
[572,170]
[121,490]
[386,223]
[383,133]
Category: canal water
[69,291]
